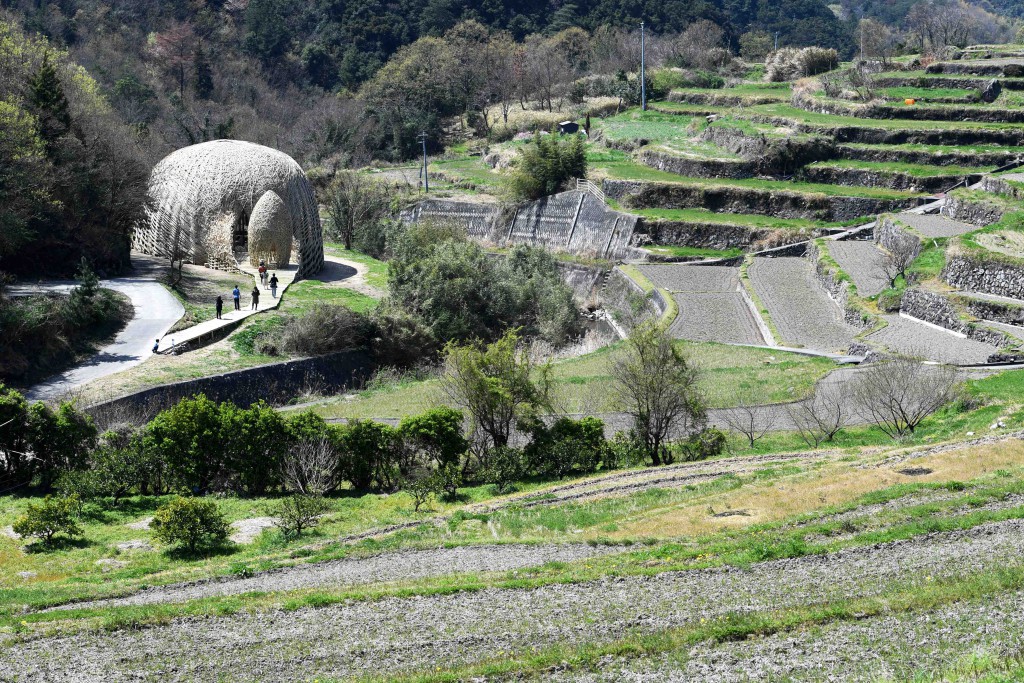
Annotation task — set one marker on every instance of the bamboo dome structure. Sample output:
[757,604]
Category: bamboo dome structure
[223,202]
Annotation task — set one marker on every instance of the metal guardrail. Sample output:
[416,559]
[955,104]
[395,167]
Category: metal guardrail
[584,185]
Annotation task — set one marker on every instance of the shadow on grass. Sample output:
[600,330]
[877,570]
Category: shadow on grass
[57,543]
[202,552]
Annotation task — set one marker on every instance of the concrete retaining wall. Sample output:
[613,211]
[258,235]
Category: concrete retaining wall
[276,383]
[575,222]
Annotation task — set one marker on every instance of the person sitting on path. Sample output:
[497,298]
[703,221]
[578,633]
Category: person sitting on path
[156,346]
[237,296]
[220,306]
[273,285]
[255,298]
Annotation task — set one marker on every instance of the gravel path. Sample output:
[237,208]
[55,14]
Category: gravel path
[683,278]
[863,261]
[934,225]
[398,566]
[801,309]
[721,317]
[394,634]
[908,336]
[892,647]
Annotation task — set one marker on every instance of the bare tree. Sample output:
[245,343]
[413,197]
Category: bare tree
[749,418]
[175,49]
[898,394]
[311,467]
[354,201]
[658,387]
[937,24]
[820,417]
[900,254]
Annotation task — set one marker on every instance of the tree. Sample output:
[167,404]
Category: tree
[202,74]
[15,460]
[495,384]
[190,522]
[822,416]
[175,48]
[46,95]
[254,441]
[755,45]
[546,165]
[939,23]
[436,434]
[878,41]
[566,446]
[899,255]
[896,395]
[61,440]
[658,387]
[188,437]
[702,43]
[298,512]
[749,417]
[370,452]
[354,202]
[56,515]
[311,467]
[422,488]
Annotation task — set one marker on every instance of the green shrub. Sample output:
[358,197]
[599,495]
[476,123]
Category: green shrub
[298,512]
[422,488]
[56,515]
[890,300]
[435,435]
[625,450]
[703,445]
[504,468]
[192,523]
[567,446]
[449,478]
[370,452]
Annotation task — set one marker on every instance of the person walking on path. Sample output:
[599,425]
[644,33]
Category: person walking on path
[255,298]
[273,285]
[263,275]
[220,306]
[237,296]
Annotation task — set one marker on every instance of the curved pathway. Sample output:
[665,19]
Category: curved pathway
[156,310]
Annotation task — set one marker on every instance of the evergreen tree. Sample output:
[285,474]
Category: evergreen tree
[46,95]
[202,73]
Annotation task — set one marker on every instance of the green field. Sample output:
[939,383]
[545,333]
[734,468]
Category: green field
[915,170]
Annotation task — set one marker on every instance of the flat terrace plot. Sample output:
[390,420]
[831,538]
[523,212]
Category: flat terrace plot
[711,307]
[904,335]
[933,225]
[677,278]
[1015,331]
[863,262]
[391,635]
[801,309]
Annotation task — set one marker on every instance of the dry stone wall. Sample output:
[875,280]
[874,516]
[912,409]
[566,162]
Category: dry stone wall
[781,204]
[838,290]
[977,275]
[893,237]
[938,310]
[975,212]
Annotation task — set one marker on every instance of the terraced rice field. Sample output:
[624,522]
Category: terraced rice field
[933,225]
[802,311]
[911,337]
[1015,331]
[863,262]
[711,308]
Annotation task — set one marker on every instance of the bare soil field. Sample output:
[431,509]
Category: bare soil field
[802,311]
[862,261]
[715,317]
[907,336]
[933,225]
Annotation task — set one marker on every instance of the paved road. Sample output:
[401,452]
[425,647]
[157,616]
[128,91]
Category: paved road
[156,310]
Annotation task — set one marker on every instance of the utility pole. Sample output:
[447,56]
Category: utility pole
[862,39]
[776,41]
[643,69]
[426,181]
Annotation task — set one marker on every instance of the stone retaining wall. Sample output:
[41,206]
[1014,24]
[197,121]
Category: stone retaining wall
[997,185]
[971,211]
[990,277]
[698,168]
[893,237]
[276,383]
[838,290]
[710,235]
[781,204]
[621,290]
[958,158]
[996,311]
[771,155]
[938,310]
[894,180]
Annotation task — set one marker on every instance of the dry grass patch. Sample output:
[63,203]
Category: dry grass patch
[800,493]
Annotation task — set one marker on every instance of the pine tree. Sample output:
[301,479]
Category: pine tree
[202,73]
[46,95]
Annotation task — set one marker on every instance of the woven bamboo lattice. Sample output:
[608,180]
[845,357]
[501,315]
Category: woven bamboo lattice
[219,201]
